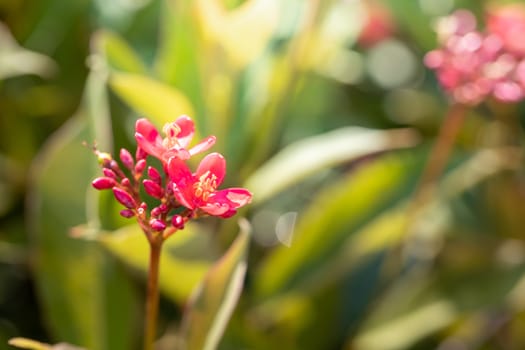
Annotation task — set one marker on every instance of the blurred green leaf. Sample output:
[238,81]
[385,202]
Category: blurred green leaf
[117,53]
[84,291]
[86,297]
[179,58]
[25,343]
[15,60]
[249,26]
[180,272]
[213,303]
[312,154]
[335,214]
[156,100]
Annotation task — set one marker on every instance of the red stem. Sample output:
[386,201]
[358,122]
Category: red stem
[152,297]
[440,153]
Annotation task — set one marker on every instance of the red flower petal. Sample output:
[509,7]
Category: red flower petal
[215,164]
[183,181]
[233,197]
[202,146]
[148,131]
[187,129]
[148,138]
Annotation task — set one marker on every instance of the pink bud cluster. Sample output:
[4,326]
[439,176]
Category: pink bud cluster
[473,65]
[180,194]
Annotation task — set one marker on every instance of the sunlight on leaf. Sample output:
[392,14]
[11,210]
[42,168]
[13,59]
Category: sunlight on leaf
[243,32]
[213,303]
[15,60]
[29,344]
[347,205]
[82,291]
[156,100]
[117,52]
[178,275]
[309,155]
[395,335]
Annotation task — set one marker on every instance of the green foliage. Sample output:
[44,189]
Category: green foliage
[342,255]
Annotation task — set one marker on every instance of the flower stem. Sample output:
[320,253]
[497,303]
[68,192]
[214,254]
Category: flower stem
[440,153]
[152,297]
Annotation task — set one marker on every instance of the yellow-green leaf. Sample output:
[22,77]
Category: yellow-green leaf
[117,52]
[160,102]
[212,304]
[178,275]
[305,157]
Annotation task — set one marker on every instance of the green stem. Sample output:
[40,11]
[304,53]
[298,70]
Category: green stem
[152,297]
[440,153]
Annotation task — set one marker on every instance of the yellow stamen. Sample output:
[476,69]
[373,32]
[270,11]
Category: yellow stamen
[171,130]
[205,186]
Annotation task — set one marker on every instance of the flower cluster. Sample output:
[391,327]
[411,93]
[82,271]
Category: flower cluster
[181,193]
[472,65]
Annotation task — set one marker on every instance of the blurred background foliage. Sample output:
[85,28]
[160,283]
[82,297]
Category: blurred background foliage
[324,110]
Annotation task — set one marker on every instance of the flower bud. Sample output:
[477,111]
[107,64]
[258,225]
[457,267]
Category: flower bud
[126,158]
[157,225]
[127,213]
[125,182]
[124,198]
[155,212]
[109,173]
[177,221]
[140,166]
[154,175]
[163,208]
[103,183]
[153,189]
[103,158]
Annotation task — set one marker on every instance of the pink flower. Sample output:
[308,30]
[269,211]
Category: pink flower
[199,190]
[508,23]
[379,25]
[178,137]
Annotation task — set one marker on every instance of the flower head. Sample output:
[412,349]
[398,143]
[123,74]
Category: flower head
[199,190]
[472,65]
[178,136]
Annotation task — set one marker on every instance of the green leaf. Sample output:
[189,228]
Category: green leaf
[179,58]
[333,217]
[15,60]
[117,53]
[213,303]
[181,268]
[86,297]
[305,157]
[156,100]
[30,344]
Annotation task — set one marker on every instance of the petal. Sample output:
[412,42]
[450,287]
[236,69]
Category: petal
[184,196]
[154,149]
[233,197]
[183,181]
[202,146]
[147,130]
[179,173]
[180,153]
[216,209]
[215,164]
[148,138]
[187,129]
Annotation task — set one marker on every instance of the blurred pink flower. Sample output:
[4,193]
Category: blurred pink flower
[379,25]
[508,23]
[199,190]
[472,65]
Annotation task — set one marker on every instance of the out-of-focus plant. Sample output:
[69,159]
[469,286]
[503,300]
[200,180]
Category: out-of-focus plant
[361,237]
